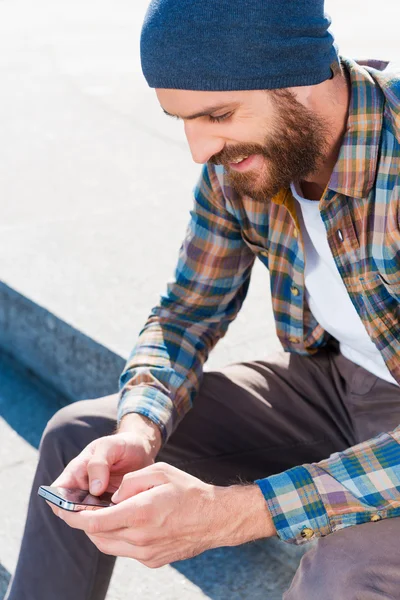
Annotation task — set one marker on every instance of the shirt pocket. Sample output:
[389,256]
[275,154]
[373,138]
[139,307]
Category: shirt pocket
[391,285]
[382,300]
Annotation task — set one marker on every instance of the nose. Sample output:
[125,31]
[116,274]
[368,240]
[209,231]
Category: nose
[202,144]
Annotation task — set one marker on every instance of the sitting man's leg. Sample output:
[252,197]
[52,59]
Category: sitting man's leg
[55,561]
[358,563]
[247,422]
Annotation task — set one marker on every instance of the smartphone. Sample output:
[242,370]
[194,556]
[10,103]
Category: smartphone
[74,499]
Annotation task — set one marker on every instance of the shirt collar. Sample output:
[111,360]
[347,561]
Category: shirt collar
[355,169]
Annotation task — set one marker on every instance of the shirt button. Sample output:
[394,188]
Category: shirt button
[293,340]
[295,233]
[340,235]
[295,291]
[307,533]
[375,518]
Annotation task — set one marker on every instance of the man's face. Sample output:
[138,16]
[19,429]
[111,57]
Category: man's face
[264,139]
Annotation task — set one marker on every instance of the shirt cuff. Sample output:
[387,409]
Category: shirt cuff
[295,506]
[150,403]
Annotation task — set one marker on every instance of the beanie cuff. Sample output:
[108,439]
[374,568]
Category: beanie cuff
[231,84]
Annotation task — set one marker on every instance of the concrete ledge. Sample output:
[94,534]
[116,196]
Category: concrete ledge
[4,580]
[74,364]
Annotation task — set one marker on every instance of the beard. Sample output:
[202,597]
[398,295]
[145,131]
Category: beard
[294,149]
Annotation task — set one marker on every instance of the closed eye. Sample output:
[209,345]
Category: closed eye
[219,118]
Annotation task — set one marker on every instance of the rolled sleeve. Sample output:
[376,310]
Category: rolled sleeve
[358,485]
[151,403]
[295,505]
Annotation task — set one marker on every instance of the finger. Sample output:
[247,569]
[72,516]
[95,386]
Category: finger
[130,513]
[139,481]
[107,452]
[113,547]
[141,537]
[151,557]
[53,507]
[75,473]
[96,521]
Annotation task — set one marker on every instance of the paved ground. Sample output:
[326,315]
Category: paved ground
[95,191]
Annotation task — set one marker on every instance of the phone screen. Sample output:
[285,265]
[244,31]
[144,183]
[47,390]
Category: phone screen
[76,496]
[83,497]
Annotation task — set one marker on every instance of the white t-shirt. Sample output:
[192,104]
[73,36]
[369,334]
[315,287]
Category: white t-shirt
[327,296]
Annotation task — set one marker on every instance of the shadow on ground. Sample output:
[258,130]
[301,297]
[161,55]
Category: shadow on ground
[4,581]
[26,403]
[238,570]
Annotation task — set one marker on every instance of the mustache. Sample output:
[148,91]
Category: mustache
[231,153]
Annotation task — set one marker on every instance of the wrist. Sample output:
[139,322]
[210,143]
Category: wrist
[145,427]
[247,515]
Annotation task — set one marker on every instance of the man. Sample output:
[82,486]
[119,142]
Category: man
[302,163]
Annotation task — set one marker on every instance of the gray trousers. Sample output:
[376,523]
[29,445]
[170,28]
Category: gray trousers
[249,421]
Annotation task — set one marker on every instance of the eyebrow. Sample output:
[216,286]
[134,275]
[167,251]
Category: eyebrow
[204,113]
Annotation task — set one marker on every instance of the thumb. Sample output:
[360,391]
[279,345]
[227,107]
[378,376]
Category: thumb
[107,452]
[139,481]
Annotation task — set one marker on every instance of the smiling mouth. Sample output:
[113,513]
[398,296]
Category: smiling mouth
[245,163]
[238,160]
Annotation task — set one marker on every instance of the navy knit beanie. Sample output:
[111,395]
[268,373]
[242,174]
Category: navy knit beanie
[236,44]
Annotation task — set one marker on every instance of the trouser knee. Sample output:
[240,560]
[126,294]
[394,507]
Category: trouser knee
[70,430]
[350,565]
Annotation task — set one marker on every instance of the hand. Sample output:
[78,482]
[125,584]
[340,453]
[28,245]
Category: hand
[163,515]
[102,464]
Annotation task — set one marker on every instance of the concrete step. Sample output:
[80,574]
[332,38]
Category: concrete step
[26,404]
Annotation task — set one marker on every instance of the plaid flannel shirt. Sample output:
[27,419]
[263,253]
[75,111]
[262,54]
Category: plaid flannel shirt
[361,212]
